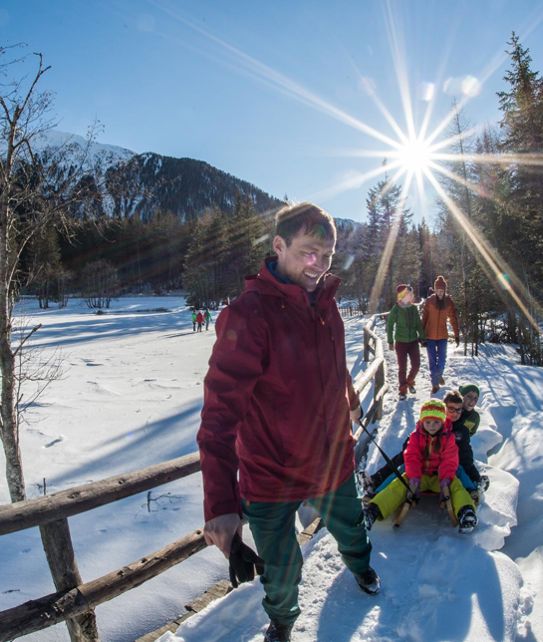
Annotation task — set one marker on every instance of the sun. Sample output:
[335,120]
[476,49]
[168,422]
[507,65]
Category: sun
[415,156]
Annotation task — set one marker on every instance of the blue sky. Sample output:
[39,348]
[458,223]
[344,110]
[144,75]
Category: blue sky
[272,92]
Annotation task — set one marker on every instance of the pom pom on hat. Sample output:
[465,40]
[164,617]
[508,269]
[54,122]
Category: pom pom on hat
[433,409]
[469,387]
[440,283]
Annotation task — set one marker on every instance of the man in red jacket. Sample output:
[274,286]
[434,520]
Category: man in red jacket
[278,405]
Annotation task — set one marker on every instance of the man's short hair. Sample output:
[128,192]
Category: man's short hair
[307,218]
[453,396]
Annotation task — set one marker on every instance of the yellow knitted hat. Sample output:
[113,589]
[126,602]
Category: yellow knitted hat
[433,409]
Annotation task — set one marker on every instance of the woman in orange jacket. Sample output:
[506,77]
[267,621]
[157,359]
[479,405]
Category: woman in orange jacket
[438,308]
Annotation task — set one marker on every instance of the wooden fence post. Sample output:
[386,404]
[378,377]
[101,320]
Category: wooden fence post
[379,383]
[366,344]
[57,544]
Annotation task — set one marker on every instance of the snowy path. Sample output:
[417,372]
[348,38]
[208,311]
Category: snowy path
[437,584]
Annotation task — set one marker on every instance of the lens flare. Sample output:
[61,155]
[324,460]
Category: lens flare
[414,153]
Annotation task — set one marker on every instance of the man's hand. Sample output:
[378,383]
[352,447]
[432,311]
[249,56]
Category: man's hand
[221,530]
[356,414]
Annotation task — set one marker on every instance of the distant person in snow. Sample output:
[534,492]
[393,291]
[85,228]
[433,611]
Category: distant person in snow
[278,406]
[207,317]
[404,317]
[438,308]
[193,315]
[200,320]
[431,462]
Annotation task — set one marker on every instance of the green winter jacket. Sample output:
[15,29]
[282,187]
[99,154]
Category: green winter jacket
[408,324]
[470,420]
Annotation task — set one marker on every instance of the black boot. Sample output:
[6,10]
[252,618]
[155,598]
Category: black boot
[278,632]
[371,513]
[467,519]
[369,581]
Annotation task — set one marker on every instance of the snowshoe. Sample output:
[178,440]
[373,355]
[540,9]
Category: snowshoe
[278,632]
[369,581]
[467,520]
[402,396]
[412,388]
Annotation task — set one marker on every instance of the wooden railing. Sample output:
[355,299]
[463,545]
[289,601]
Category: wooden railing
[374,374]
[74,601]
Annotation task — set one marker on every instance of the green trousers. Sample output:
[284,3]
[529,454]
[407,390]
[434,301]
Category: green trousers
[272,526]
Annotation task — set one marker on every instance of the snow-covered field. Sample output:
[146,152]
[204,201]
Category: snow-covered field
[130,396]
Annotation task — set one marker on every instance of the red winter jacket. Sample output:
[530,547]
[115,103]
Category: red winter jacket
[419,456]
[276,398]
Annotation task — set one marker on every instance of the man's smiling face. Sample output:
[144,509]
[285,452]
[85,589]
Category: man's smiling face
[305,260]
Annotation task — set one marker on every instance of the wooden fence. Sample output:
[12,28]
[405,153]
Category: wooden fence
[74,600]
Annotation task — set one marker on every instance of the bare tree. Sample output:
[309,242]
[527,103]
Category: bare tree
[36,191]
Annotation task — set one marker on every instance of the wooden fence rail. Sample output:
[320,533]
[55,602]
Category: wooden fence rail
[74,601]
[375,374]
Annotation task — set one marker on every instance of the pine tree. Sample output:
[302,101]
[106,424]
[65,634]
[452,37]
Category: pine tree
[391,251]
[522,134]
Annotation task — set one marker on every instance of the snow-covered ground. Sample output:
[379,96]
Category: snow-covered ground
[130,396]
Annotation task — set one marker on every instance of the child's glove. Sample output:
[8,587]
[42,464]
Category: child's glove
[243,562]
[483,484]
[444,494]
[414,492]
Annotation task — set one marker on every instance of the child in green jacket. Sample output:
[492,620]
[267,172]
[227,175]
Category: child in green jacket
[404,316]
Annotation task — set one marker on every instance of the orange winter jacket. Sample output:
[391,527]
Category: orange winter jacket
[434,319]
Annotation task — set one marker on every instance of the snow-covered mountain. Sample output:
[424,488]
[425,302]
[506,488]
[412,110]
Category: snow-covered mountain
[124,184]
[74,146]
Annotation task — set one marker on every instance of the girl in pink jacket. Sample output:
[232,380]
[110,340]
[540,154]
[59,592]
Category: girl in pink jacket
[431,460]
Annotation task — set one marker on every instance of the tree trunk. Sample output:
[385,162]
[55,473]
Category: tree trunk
[9,424]
[8,413]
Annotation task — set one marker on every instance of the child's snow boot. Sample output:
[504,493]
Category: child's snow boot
[371,513]
[467,519]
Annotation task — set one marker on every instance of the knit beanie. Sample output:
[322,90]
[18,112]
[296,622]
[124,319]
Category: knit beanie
[469,387]
[433,409]
[402,291]
[440,283]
